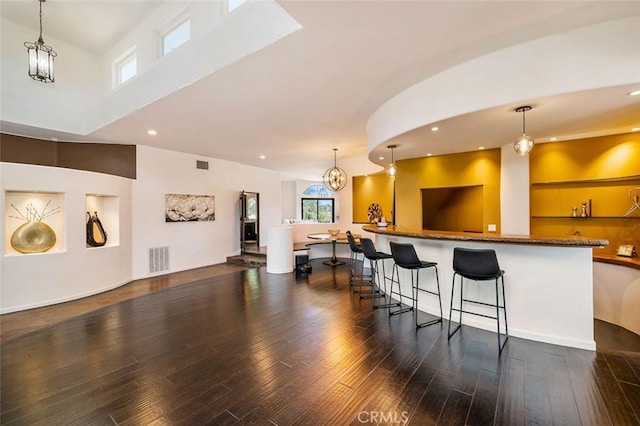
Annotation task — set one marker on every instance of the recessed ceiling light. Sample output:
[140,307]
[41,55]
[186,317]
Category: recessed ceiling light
[152,132]
[636,129]
[262,157]
[634,93]
[435,128]
[481,148]
[380,158]
[429,154]
[553,139]
[54,139]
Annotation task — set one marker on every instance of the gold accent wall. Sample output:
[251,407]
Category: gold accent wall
[468,169]
[603,170]
[376,188]
[462,169]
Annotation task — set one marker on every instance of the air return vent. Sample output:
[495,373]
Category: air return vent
[158,259]
[204,165]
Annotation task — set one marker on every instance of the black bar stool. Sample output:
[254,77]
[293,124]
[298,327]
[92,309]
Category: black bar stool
[370,252]
[404,256]
[354,275]
[478,265]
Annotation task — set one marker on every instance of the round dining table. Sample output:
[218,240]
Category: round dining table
[325,236]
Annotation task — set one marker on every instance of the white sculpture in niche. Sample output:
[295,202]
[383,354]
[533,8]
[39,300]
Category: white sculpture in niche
[34,236]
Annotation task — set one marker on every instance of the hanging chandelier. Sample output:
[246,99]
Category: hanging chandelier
[40,57]
[335,178]
[524,144]
[392,170]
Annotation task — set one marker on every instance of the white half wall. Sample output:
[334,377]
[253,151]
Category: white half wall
[196,244]
[33,280]
[549,290]
[616,295]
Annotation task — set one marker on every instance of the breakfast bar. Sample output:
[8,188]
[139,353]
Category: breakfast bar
[548,280]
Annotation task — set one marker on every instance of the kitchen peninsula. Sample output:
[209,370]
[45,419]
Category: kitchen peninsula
[548,280]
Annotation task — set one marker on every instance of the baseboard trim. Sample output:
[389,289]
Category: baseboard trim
[63,299]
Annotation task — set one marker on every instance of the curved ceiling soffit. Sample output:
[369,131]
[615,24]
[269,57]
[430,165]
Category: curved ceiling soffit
[580,60]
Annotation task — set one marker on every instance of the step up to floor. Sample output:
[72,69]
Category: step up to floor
[248,259]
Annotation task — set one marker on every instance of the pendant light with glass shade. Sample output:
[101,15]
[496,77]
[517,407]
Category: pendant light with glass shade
[524,144]
[335,178]
[40,57]
[392,170]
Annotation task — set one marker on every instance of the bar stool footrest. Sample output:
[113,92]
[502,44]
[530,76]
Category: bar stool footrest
[387,305]
[476,313]
[369,295]
[401,311]
[428,323]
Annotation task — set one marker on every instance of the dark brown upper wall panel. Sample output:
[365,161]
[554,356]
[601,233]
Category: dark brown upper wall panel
[18,149]
[118,160]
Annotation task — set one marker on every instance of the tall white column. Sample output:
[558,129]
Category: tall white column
[514,192]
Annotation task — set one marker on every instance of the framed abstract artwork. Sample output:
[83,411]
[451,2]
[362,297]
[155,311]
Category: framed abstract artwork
[189,208]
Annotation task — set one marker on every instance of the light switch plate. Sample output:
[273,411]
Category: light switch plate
[491,227]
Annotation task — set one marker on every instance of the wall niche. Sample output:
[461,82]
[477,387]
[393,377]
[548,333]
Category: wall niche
[34,222]
[458,208]
[107,210]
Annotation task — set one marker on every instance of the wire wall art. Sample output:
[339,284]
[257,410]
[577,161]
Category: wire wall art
[634,197]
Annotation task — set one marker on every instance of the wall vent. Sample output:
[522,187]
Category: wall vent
[158,259]
[204,165]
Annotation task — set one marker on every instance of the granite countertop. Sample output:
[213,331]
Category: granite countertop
[571,241]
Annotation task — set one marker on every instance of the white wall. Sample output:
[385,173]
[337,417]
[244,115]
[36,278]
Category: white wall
[577,60]
[246,30]
[146,35]
[57,106]
[196,244]
[32,280]
[75,271]
[289,199]
[292,193]
[82,98]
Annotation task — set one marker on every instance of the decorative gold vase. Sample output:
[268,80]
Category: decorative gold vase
[33,237]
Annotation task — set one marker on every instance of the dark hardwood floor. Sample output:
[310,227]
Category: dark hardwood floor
[255,348]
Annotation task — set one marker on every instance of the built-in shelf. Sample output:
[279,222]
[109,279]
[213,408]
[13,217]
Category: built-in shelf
[602,176]
[584,218]
[590,181]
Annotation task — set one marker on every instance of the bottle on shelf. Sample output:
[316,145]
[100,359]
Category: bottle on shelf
[583,211]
